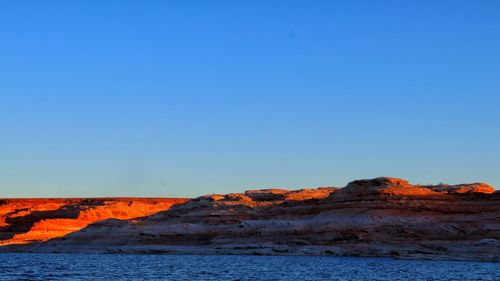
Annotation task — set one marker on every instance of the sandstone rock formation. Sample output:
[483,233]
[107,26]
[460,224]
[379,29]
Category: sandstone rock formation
[32,220]
[375,217]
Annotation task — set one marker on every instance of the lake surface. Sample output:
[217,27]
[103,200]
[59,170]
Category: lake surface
[193,267]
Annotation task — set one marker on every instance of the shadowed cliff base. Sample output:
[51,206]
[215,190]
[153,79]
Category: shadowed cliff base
[375,217]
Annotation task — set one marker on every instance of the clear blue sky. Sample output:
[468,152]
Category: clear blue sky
[183,98]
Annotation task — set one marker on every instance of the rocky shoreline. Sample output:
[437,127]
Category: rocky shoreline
[384,217]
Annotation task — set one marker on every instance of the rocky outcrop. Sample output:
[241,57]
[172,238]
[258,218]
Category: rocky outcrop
[375,217]
[32,220]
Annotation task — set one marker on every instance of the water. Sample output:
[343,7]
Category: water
[193,267]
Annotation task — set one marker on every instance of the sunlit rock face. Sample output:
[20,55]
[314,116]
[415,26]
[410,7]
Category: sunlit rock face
[33,220]
[374,217]
[464,188]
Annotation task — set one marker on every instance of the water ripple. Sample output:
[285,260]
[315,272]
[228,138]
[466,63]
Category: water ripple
[193,267]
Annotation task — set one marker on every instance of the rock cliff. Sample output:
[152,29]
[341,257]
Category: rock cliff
[375,217]
[33,220]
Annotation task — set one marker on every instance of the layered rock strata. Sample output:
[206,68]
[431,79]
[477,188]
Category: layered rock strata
[375,217]
[25,221]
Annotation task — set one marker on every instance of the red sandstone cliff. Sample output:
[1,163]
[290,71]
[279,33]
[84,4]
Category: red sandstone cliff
[33,220]
[376,217]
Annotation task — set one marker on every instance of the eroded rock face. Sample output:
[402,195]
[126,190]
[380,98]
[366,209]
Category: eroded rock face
[465,188]
[384,185]
[375,217]
[33,220]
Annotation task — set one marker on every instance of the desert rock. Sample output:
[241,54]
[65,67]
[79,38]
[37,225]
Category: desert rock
[375,217]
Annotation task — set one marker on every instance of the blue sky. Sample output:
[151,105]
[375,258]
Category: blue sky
[183,98]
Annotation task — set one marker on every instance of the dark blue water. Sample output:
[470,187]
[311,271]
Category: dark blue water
[192,267]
